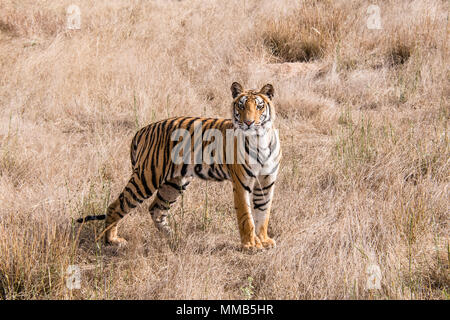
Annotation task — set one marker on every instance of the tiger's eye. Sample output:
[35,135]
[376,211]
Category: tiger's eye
[241,103]
[259,103]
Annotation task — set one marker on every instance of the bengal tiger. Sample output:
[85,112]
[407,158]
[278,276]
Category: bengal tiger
[155,159]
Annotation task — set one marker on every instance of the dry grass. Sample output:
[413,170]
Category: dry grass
[364,130]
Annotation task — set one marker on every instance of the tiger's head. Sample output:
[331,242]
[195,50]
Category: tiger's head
[252,110]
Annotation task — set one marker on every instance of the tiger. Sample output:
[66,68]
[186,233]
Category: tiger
[156,167]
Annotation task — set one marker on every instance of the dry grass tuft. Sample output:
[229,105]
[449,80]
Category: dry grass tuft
[305,34]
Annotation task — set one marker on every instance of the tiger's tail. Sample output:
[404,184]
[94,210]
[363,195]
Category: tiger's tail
[89,218]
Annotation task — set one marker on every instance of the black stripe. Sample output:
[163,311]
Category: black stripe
[184,169]
[243,185]
[89,218]
[131,193]
[155,156]
[138,190]
[219,173]
[220,167]
[162,143]
[189,124]
[121,199]
[153,171]
[197,170]
[148,146]
[152,146]
[247,150]
[182,121]
[173,185]
[212,175]
[267,119]
[145,185]
[184,186]
[258,206]
[263,195]
[168,148]
[210,124]
[119,214]
[159,196]
[129,204]
[268,186]
[170,171]
[248,171]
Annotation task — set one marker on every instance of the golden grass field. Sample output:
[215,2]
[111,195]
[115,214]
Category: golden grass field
[363,117]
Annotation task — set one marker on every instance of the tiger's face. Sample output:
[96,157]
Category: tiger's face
[252,110]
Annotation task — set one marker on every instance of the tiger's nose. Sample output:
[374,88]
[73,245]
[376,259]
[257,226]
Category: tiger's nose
[248,122]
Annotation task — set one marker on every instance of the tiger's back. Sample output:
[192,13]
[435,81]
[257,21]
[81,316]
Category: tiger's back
[155,143]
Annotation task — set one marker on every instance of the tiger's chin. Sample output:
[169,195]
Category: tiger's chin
[253,130]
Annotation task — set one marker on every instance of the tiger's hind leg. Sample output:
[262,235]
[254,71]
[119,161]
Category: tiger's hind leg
[167,194]
[134,193]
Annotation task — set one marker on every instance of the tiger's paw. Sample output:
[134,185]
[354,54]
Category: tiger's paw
[117,241]
[268,243]
[252,245]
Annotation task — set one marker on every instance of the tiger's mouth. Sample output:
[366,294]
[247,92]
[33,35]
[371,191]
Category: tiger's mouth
[245,126]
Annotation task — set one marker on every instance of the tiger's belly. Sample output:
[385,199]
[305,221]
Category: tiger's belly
[215,172]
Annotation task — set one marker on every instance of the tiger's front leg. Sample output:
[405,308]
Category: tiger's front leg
[262,201]
[249,240]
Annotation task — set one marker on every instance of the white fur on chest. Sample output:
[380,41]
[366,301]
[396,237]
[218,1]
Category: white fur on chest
[269,153]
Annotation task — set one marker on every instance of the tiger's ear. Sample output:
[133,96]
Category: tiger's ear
[267,90]
[236,89]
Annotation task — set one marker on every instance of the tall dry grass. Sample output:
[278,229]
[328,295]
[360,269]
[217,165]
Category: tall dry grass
[363,119]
